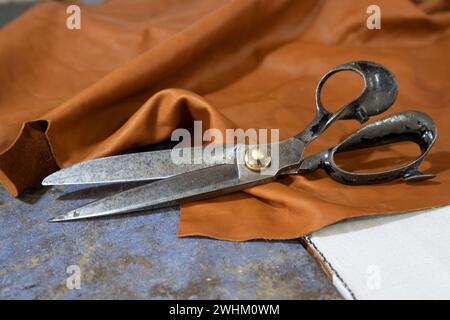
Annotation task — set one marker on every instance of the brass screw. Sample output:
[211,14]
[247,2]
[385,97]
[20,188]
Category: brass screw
[257,159]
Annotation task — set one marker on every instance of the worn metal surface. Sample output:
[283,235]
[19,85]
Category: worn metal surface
[140,256]
[188,186]
[379,93]
[140,166]
[403,126]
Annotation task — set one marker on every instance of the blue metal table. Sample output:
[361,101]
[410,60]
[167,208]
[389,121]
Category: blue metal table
[139,256]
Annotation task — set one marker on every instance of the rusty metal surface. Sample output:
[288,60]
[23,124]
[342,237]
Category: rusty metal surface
[140,256]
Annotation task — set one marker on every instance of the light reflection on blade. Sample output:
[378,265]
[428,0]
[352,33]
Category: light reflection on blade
[189,186]
[144,166]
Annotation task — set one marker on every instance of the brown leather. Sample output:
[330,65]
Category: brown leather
[71,95]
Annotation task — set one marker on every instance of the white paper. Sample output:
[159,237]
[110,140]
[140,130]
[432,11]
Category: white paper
[405,256]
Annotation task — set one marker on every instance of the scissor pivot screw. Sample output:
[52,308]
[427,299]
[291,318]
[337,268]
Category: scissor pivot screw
[256,159]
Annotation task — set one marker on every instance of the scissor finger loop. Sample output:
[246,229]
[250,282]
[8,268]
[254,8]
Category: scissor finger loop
[379,93]
[405,126]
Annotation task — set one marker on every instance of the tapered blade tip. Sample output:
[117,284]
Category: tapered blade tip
[57,218]
[69,216]
[50,180]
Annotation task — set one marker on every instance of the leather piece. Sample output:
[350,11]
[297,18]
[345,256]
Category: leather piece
[29,160]
[139,69]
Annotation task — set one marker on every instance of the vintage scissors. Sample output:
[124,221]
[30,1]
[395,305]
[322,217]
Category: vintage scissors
[242,166]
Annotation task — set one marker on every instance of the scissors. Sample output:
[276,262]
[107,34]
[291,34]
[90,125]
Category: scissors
[243,165]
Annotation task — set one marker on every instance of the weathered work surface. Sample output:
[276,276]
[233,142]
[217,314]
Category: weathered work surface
[139,256]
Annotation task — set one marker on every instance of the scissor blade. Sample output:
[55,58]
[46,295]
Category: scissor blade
[153,165]
[200,184]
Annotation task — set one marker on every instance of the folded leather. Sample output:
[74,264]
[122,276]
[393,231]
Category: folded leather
[139,69]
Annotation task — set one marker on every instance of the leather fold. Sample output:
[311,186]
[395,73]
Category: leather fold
[137,70]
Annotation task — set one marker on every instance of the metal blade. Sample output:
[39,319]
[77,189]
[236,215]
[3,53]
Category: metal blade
[142,166]
[189,186]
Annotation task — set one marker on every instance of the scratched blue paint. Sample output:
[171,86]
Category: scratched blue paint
[139,256]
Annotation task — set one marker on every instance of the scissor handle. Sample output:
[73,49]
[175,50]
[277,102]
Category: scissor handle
[379,93]
[404,126]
